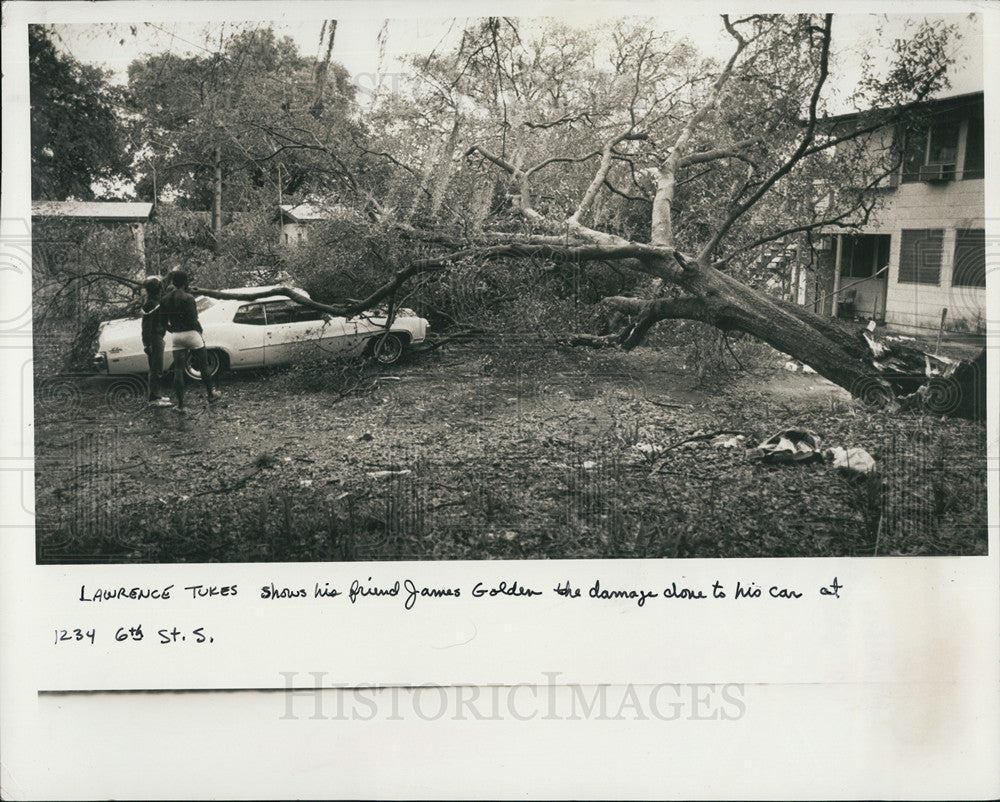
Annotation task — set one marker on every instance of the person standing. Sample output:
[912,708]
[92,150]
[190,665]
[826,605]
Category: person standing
[181,312]
[154,328]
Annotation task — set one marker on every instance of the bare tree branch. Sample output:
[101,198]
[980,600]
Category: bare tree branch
[532,170]
[567,119]
[837,220]
[607,159]
[791,161]
[666,182]
[732,152]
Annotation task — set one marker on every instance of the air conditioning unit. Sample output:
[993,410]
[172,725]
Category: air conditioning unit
[937,172]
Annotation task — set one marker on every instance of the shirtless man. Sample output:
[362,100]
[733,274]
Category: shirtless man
[178,306]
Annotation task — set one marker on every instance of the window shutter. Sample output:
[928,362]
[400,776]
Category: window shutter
[970,258]
[920,256]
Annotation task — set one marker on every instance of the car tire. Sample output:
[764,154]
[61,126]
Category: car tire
[387,349]
[216,364]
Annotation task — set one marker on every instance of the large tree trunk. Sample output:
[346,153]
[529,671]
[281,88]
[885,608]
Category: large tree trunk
[837,351]
[443,169]
[329,30]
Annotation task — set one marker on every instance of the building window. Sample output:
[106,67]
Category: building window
[920,253]
[944,142]
[974,166]
[862,256]
[970,258]
[934,144]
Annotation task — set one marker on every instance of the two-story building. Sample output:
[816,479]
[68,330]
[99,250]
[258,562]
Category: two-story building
[922,256]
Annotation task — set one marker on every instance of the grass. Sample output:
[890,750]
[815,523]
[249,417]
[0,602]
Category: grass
[492,457]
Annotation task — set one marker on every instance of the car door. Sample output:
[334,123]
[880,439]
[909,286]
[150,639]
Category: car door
[296,333]
[247,336]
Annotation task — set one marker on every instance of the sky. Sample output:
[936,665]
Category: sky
[357,46]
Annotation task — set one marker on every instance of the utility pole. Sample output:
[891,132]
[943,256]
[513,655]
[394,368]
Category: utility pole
[217,199]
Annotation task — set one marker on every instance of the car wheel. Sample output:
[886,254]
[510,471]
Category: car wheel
[387,349]
[215,363]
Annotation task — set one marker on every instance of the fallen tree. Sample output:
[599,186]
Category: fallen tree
[692,172]
[647,141]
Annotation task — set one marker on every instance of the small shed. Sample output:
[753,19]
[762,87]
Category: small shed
[130,213]
[296,218]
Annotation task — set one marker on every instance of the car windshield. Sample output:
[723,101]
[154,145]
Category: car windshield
[202,303]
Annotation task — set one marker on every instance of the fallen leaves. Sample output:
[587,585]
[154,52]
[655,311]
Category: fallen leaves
[627,470]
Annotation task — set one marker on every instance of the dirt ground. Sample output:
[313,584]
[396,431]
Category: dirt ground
[484,451]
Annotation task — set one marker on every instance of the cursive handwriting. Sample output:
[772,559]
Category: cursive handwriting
[359,591]
[434,593]
[503,589]
[597,593]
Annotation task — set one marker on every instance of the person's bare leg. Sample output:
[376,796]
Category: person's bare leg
[179,360]
[199,358]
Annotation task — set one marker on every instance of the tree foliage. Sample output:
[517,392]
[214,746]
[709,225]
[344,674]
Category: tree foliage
[559,147]
[77,136]
[252,108]
[677,168]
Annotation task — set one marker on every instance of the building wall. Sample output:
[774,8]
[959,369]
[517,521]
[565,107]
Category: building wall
[949,206]
[293,233]
[868,296]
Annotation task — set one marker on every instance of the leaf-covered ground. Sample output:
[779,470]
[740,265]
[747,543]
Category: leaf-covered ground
[481,452]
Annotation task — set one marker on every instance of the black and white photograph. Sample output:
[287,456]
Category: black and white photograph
[509,288]
[499,400]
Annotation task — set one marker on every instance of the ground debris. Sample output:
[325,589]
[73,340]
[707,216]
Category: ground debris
[791,445]
[389,474]
[851,460]
[727,441]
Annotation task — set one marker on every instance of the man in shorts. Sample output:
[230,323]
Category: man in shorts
[154,327]
[178,305]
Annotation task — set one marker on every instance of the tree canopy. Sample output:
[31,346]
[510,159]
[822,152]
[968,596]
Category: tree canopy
[247,118]
[77,134]
[535,140]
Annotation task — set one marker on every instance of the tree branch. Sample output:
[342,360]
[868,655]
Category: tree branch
[288,292]
[830,221]
[666,182]
[731,152]
[503,164]
[566,119]
[585,253]
[824,63]
[532,170]
[650,312]
[607,159]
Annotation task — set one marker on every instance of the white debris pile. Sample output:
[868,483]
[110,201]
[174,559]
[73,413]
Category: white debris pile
[790,445]
[851,460]
[728,441]
[802,445]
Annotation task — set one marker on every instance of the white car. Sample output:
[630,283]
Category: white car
[273,330]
